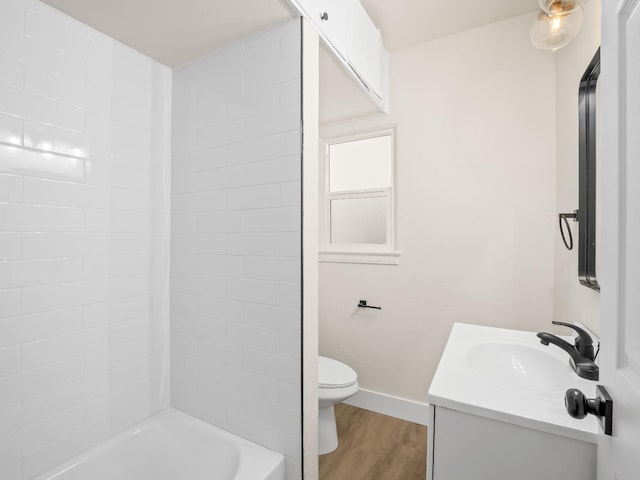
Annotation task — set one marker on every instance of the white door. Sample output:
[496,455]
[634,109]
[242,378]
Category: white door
[619,110]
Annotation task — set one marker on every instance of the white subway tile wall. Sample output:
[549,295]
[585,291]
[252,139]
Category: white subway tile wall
[84,237]
[236,241]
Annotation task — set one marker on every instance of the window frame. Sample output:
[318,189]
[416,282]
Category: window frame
[384,254]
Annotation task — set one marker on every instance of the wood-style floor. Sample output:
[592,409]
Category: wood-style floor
[375,447]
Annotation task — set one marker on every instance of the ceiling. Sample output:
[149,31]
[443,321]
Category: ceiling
[176,32]
[408,22]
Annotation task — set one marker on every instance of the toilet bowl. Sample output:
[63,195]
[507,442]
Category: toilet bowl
[336,382]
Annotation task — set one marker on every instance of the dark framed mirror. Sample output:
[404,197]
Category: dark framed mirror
[587,175]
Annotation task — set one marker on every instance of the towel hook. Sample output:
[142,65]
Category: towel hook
[563,217]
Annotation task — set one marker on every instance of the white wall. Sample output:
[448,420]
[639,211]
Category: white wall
[573,302]
[84,205]
[476,184]
[236,241]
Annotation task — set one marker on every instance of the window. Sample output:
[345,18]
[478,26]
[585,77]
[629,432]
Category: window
[358,204]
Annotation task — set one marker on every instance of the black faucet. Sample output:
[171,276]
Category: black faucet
[581,357]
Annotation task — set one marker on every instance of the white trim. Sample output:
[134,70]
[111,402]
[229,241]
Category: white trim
[378,121]
[430,441]
[376,258]
[397,407]
[364,193]
[355,253]
[310,222]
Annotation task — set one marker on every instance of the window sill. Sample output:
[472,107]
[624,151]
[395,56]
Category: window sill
[375,258]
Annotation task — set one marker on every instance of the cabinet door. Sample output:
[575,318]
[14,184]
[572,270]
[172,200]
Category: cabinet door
[364,49]
[331,18]
[471,447]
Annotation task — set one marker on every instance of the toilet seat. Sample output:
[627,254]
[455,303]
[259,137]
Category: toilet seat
[335,374]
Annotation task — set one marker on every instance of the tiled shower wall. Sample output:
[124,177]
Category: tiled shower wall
[236,243]
[84,231]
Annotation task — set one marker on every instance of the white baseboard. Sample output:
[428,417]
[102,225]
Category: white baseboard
[402,408]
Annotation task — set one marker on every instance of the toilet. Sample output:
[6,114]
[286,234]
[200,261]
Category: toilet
[336,383]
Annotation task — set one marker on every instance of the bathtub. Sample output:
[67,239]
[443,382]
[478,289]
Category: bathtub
[172,446]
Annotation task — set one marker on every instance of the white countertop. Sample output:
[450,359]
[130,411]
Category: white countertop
[461,386]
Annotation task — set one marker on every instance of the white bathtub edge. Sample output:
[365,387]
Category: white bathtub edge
[268,458]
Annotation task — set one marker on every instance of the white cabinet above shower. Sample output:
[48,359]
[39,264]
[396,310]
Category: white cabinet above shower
[331,18]
[365,49]
[352,36]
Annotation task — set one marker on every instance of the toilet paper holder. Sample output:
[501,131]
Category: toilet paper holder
[363,304]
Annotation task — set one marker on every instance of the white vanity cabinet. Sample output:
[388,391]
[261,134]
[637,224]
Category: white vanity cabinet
[497,410]
[470,446]
[350,33]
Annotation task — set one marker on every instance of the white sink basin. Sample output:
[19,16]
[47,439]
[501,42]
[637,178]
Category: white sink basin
[518,366]
[507,375]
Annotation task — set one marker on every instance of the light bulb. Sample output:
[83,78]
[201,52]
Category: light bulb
[551,32]
[560,7]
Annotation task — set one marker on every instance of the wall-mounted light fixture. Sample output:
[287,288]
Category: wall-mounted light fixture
[556,24]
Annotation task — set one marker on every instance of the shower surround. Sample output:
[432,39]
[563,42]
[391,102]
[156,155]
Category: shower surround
[85,226]
[236,240]
[84,237]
